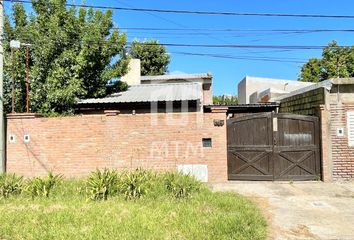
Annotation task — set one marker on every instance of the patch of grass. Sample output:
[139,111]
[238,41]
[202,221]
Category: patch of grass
[67,214]
[181,186]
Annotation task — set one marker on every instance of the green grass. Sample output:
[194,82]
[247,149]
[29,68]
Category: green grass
[69,214]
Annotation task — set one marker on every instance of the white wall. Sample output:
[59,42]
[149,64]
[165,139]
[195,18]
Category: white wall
[249,85]
[133,75]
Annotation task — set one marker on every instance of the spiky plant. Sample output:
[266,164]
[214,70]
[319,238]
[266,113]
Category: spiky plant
[42,186]
[101,184]
[10,184]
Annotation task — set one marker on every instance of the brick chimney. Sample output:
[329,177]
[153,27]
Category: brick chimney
[133,75]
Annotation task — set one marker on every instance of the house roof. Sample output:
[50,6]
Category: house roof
[152,93]
[177,77]
[244,108]
[324,84]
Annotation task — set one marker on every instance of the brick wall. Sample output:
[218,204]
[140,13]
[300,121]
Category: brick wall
[326,144]
[305,103]
[342,154]
[207,94]
[77,145]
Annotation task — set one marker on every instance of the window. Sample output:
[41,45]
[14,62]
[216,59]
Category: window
[207,142]
[350,127]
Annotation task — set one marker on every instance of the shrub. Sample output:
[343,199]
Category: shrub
[181,186]
[42,186]
[101,184]
[10,184]
[134,185]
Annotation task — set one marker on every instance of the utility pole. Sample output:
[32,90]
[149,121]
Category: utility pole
[14,45]
[27,81]
[13,83]
[27,77]
[2,120]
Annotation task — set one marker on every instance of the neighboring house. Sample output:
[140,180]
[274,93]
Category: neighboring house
[333,102]
[163,93]
[295,131]
[158,123]
[257,89]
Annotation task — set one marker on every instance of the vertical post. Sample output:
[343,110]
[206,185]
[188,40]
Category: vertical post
[27,82]
[13,83]
[2,121]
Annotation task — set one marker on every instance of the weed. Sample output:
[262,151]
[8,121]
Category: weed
[42,186]
[181,186]
[10,184]
[101,184]
[134,185]
[317,178]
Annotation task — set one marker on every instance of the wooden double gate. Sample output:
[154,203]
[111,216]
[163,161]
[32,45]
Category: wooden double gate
[269,146]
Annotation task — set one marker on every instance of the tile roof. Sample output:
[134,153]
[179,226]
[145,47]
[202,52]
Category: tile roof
[152,93]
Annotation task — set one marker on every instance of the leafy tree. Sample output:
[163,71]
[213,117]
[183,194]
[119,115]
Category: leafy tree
[153,56]
[225,100]
[311,71]
[336,61]
[73,54]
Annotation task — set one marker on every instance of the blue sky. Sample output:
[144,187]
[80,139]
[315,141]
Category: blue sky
[228,72]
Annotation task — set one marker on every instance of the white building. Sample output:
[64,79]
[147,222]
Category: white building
[257,89]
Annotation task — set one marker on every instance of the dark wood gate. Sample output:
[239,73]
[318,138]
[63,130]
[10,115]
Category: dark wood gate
[268,146]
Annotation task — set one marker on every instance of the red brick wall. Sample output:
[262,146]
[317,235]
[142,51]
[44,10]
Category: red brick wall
[326,157]
[342,154]
[77,145]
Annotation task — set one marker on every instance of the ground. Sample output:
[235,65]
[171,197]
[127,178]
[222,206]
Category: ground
[68,214]
[302,210]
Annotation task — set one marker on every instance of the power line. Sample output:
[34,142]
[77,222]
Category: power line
[176,23]
[283,47]
[266,59]
[214,55]
[245,47]
[201,12]
[297,47]
[237,30]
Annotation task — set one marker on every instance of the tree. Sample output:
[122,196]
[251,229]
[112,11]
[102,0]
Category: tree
[311,71]
[336,61]
[153,57]
[71,55]
[225,100]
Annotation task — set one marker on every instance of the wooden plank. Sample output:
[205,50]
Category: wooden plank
[250,177]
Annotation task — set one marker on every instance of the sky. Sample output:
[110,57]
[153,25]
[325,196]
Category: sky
[227,72]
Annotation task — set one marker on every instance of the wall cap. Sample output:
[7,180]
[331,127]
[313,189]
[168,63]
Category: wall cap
[111,112]
[219,109]
[23,115]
